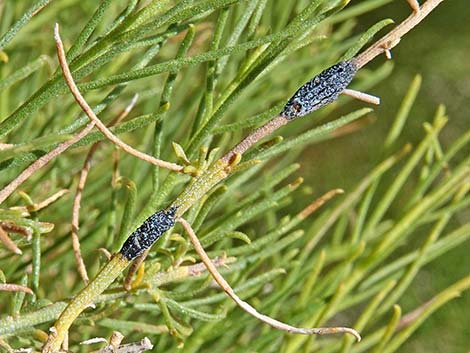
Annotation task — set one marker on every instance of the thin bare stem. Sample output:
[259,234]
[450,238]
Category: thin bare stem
[182,272]
[89,112]
[126,111]
[247,307]
[50,200]
[78,195]
[9,244]
[414,5]
[76,215]
[9,287]
[42,161]
[261,132]
[315,205]
[392,38]
[65,344]
[368,98]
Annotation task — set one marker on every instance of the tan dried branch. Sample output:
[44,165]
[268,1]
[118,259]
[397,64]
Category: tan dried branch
[410,317]
[261,132]
[9,287]
[50,200]
[247,307]
[6,146]
[315,205]
[368,98]
[78,195]
[392,38]
[42,161]
[9,244]
[76,215]
[414,5]
[25,210]
[182,272]
[89,112]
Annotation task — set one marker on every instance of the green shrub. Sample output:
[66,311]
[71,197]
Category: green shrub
[206,72]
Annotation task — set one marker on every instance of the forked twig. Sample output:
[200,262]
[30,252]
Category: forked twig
[76,215]
[91,114]
[42,161]
[40,205]
[247,307]
[392,38]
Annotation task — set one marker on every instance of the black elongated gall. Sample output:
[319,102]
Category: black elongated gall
[320,90]
[148,233]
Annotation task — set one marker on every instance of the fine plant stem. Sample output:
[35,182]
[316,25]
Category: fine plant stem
[362,96]
[84,299]
[247,307]
[261,132]
[91,114]
[78,196]
[392,38]
[8,243]
[41,162]
[10,287]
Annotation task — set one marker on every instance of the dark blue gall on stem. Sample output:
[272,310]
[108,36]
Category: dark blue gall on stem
[320,90]
[148,233]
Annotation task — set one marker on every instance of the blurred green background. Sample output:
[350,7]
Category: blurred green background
[439,50]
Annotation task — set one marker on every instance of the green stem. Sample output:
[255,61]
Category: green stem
[82,300]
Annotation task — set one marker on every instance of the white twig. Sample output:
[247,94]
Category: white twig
[247,307]
[368,98]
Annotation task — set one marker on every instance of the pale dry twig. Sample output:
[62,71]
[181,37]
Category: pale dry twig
[10,287]
[42,161]
[9,244]
[247,307]
[392,38]
[91,114]
[78,195]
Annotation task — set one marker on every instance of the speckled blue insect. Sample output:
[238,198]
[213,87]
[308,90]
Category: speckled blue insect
[148,233]
[320,90]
